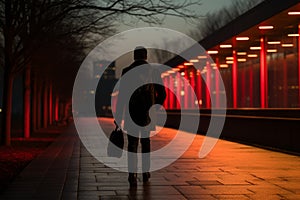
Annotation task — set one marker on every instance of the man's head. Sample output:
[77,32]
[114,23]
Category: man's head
[140,53]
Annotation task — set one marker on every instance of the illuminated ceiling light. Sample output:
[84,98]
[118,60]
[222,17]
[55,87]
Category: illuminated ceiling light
[229,62]
[212,52]
[287,45]
[180,66]
[187,64]
[274,42]
[265,27]
[242,38]
[202,57]
[223,66]
[241,53]
[194,60]
[294,13]
[272,50]
[92,91]
[255,48]
[225,46]
[97,76]
[170,72]
[242,60]
[293,35]
[176,69]
[252,55]
[213,64]
[229,58]
[182,73]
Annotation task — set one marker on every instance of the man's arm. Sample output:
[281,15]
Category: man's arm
[120,102]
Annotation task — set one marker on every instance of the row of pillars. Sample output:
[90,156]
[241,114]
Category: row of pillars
[42,107]
[188,91]
[194,79]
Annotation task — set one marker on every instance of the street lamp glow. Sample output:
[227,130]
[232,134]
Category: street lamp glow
[188,64]
[255,48]
[252,55]
[242,60]
[194,60]
[202,57]
[212,52]
[274,42]
[241,53]
[265,27]
[293,35]
[242,38]
[225,46]
[223,65]
[287,45]
[272,50]
[294,13]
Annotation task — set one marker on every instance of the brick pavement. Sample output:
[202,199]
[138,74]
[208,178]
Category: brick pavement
[230,171]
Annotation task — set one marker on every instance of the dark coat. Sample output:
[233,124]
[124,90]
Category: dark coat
[141,100]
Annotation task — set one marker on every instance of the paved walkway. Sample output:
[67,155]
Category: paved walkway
[231,171]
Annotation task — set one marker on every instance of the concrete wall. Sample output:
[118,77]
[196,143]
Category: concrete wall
[272,128]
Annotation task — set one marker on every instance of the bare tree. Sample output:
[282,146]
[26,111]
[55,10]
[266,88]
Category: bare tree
[216,20]
[26,23]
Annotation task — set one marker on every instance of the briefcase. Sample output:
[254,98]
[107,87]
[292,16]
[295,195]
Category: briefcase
[116,143]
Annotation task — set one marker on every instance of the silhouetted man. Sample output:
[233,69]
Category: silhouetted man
[140,102]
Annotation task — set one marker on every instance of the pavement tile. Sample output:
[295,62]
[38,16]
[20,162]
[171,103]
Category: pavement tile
[232,197]
[230,171]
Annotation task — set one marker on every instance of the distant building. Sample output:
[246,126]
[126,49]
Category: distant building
[106,83]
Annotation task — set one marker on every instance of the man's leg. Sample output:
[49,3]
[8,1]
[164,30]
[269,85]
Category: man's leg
[132,159]
[145,142]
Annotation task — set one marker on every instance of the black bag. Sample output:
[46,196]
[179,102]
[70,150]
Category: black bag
[116,143]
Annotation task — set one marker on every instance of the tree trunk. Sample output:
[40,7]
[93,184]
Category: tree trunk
[34,104]
[7,108]
[27,103]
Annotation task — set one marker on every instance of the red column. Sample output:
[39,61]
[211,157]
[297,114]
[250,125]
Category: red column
[27,102]
[186,92]
[34,103]
[243,92]
[171,94]
[50,103]
[234,80]
[178,90]
[39,107]
[192,99]
[208,84]
[263,73]
[285,83]
[45,105]
[167,101]
[299,65]
[57,107]
[199,88]
[217,77]
[251,86]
